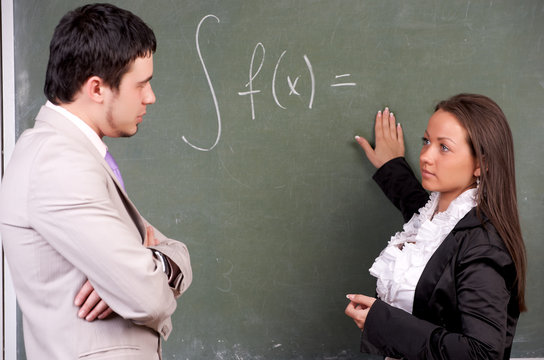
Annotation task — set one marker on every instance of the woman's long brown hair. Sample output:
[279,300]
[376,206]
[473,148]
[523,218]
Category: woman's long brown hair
[491,141]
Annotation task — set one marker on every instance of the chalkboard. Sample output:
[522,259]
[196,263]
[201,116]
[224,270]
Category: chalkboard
[248,155]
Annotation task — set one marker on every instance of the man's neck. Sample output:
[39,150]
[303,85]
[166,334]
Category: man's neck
[83,114]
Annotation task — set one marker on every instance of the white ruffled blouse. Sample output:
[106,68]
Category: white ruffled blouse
[400,265]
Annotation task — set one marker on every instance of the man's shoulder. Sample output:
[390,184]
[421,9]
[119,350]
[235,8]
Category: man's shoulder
[40,145]
[44,155]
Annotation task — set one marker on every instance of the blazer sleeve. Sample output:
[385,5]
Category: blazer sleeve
[177,255]
[400,185]
[483,297]
[70,204]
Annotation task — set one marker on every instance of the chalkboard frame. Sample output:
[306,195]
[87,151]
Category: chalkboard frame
[9,131]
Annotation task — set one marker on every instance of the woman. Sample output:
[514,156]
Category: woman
[451,284]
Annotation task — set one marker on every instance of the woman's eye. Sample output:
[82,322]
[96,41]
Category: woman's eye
[425,141]
[444,147]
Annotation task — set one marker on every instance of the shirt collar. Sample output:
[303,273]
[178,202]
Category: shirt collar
[81,125]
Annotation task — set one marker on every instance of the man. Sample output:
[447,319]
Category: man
[92,277]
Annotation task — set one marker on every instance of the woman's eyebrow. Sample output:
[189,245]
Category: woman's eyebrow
[440,138]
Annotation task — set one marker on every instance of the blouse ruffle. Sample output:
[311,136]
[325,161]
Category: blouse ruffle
[400,265]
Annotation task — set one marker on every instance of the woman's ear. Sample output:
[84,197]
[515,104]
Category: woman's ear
[477,169]
[479,164]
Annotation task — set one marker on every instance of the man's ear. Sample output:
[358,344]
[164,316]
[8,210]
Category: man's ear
[95,89]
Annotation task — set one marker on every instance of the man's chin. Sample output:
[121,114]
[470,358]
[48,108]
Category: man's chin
[126,134]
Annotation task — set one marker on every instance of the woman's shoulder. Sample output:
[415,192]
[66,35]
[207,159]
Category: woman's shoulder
[480,242]
[479,228]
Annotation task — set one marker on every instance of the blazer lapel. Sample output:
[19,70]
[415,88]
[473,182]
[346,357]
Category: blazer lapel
[50,117]
[437,264]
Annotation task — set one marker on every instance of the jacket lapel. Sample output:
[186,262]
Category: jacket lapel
[437,264]
[49,117]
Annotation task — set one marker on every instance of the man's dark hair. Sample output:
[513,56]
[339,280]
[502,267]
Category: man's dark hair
[94,40]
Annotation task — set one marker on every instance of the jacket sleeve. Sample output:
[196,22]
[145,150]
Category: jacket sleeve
[483,297]
[179,258]
[400,185]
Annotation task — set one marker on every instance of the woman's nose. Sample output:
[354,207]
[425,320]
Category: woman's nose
[425,156]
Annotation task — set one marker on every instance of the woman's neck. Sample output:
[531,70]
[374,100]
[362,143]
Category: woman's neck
[446,198]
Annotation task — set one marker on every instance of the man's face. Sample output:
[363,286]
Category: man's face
[126,106]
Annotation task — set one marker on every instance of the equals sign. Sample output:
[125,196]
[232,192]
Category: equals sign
[344,83]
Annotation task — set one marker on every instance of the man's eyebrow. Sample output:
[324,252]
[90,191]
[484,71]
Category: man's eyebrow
[146,80]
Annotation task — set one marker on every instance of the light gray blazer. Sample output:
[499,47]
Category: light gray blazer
[64,219]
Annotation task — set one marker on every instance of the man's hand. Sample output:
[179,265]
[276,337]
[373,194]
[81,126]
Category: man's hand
[389,140]
[150,239]
[358,308]
[91,305]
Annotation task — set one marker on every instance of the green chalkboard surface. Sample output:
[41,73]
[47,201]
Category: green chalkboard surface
[248,154]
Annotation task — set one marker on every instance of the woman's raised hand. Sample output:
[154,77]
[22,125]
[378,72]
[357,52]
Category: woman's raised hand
[389,140]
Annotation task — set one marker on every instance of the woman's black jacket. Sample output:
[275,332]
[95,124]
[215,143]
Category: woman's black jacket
[465,304]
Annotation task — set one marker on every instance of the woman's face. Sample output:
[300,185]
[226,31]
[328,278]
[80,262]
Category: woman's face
[446,161]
